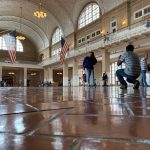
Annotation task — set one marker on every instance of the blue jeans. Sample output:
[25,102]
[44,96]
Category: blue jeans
[120,74]
[143,78]
[89,76]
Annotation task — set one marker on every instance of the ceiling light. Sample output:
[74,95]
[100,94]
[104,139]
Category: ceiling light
[33,74]
[19,37]
[59,73]
[39,13]
[11,73]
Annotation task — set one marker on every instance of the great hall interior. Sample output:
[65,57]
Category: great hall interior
[44,104]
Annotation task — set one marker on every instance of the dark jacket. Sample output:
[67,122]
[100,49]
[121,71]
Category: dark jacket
[105,77]
[89,62]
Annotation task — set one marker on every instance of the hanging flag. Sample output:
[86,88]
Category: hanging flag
[64,49]
[10,43]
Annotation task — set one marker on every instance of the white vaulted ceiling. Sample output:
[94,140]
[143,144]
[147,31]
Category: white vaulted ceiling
[61,13]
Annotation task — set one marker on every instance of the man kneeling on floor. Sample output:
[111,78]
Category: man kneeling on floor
[132,68]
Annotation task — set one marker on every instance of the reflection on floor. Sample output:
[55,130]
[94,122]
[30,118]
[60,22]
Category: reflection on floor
[76,118]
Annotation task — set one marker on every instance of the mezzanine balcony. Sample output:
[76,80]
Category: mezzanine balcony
[125,34]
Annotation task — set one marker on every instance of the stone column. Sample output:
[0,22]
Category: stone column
[42,75]
[45,74]
[65,74]
[0,73]
[21,77]
[75,72]
[50,74]
[106,63]
[25,77]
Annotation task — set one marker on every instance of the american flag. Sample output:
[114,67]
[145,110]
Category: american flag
[64,49]
[10,43]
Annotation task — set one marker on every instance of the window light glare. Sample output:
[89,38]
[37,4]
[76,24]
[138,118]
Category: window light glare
[124,22]
[56,36]
[89,14]
[19,46]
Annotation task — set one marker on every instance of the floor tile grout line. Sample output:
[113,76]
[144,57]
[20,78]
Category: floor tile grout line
[31,106]
[72,114]
[87,102]
[129,110]
[28,112]
[105,115]
[100,138]
[28,105]
[132,140]
[41,124]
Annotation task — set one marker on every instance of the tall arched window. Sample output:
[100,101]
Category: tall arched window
[90,13]
[19,47]
[56,36]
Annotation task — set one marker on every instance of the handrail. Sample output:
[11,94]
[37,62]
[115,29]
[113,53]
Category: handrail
[19,62]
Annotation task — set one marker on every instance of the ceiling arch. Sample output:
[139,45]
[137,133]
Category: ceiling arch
[61,13]
[38,31]
[12,23]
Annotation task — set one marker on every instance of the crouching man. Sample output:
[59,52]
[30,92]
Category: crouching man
[132,68]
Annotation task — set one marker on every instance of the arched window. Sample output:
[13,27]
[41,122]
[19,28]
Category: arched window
[56,52]
[19,47]
[56,36]
[90,13]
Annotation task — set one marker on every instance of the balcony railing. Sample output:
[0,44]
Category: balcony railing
[120,35]
[19,62]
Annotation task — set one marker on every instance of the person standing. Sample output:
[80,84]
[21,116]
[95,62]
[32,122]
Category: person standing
[105,79]
[88,64]
[148,23]
[106,38]
[132,68]
[143,63]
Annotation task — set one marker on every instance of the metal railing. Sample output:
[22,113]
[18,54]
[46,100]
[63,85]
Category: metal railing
[19,62]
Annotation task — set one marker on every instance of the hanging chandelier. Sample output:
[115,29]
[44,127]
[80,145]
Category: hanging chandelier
[39,13]
[20,37]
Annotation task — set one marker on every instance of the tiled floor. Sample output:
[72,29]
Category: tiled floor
[76,118]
